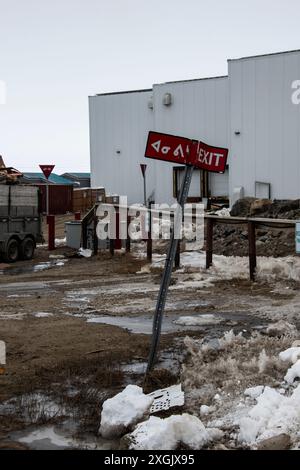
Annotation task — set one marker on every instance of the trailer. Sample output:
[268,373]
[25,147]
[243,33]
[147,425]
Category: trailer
[20,222]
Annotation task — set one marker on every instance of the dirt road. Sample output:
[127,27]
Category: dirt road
[78,329]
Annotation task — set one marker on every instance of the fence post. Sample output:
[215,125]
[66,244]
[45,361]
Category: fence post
[111,241]
[128,237]
[149,239]
[177,256]
[252,249]
[95,236]
[118,241]
[209,242]
[51,232]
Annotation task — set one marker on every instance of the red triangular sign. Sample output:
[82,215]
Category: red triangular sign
[47,170]
[143,168]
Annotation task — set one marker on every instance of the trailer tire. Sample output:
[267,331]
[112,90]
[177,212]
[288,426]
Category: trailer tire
[27,249]
[12,251]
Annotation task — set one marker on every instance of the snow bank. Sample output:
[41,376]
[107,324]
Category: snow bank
[293,373]
[237,267]
[273,414]
[123,411]
[168,433]
[290,355]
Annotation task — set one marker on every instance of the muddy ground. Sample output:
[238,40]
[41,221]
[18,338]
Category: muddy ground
[78,330]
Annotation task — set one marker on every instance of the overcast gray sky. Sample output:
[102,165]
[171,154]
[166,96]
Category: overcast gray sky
[54,54]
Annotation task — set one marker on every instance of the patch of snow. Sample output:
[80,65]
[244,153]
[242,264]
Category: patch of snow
[198,320]
[43,314]
[293,373]
[60,241]
[254,392]
[50,434]
[237,267]
[12,316]
[205,410]
[273,414]
[168,433]
[290,355]
[123,411]
[224,212]
[86,253]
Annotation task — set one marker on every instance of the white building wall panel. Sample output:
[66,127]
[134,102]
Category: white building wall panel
[120,123]
[268,146]
[199,110]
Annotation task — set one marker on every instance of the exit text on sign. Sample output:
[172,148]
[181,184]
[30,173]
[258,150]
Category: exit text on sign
[185,151]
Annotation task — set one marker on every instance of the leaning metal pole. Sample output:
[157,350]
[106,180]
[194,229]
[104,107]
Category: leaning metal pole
[166,277]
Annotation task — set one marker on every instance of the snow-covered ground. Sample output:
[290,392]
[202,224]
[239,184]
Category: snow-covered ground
[237,267]
[239,393]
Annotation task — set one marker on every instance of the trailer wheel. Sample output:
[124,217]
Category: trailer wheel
[27,249]
[12,251]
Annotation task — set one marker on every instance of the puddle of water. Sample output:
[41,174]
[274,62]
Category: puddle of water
[143,324]
[59,437]
[36,406]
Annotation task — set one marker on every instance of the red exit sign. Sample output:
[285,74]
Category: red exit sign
[185,151]
[210,158]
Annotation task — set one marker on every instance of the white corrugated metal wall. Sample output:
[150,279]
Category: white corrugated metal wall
[119,124]
[268,146]
[199,110]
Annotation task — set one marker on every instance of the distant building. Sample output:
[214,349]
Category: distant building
[60,191]
[81,180]
[39,178]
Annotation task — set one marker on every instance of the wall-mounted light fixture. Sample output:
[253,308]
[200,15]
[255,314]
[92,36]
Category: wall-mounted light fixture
[167,99]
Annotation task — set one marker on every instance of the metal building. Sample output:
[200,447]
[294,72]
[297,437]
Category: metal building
[265,126]
[119,125]
[255,112]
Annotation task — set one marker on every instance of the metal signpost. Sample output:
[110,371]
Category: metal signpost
[193,154]
[47,170]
